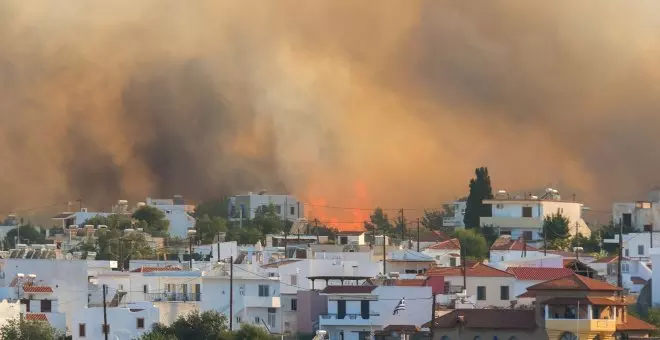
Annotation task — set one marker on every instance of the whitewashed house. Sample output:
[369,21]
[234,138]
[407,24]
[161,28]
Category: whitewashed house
[523,215]
[356,310]
[409,262]
[487,286]
[124,323]
[640,215]
[446,253]
[636,245]
[38,303]
[506,248]
[288,207]
[608,267]
[458,215]
[177,213]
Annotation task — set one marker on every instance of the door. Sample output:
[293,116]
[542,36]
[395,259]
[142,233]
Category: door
[341,309]
[364,309]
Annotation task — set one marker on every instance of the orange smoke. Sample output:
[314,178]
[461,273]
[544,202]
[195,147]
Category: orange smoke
[350,216]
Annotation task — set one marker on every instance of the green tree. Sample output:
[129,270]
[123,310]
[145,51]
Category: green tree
[252,332]
[400,222]
[589,244]
[555,228]
[381,222]
[16,329]
[245,235]
[29,234]
[267,220]
[214,208]
[208,228]
[209,325]
[114,221]
[113,244]
[155,221]
[473,244]
[480,190]
[433,219]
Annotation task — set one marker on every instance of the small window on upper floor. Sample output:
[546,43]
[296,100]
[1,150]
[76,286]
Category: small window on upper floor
[294,280]
[526,211]
[140,323]
[640,250]
[168,211]
[292,211]
[264,290]
[626,253]
[82,330]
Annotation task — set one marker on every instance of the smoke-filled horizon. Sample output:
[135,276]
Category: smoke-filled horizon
[345,102]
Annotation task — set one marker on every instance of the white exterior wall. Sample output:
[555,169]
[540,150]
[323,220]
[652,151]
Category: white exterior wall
[177,214]
[351,239]
[492,285]
[251,202]
[549,261]
[459,214]
[324,267]
[418,303]
[68,279]
[443,256]
[227,249]
[122,321]
[171,311]
[290,317]
[635,242]
[512,255]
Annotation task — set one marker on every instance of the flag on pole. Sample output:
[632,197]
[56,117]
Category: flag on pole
[401,306]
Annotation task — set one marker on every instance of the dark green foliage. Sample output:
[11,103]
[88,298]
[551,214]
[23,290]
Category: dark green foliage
[433,219]
[213,208]
[381,222]
[29,234]
[480,189]
[557,236]
[208,228]
[17,329]
[153,220]
[589,244]
[251,332]
[473,244]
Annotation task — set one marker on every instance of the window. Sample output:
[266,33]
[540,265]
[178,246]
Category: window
[626,220]
[640,249]
[343,240]
[46,306]
[292,211]
[504,293]
[452,261]
[121,287]
[627,253]
[105,329]
[140,323]
[624,268]
[257,320]
[239,319]
[263,290]
[82,330]
[499,206]
[526,211]
[528,235]
[145,289]
[294,280]
[294,304]
[278,209]
[241,290]
[481,293]
[168,211]
[271,317]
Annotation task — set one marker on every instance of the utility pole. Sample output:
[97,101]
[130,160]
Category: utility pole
[403,226]
[316,226]
[231,293]
[464,265]
[418,234]
[105,314]
[190,240]
[577,239]
[432,315]
[384,256]
[619,278]
[218,247]
[545,240]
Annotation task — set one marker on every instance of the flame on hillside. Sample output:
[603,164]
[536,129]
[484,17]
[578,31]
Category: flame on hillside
[349,216]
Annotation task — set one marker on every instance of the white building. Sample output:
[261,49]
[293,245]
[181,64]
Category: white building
[124,323]
[655,283]
[507,248]
[38,303]
[446,253]
[641,214]
[176,212]
[354,311]
[636,245]
[456,220]
[523,215]
[245,206]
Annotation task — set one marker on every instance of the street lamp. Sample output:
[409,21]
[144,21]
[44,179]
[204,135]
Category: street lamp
[191,235]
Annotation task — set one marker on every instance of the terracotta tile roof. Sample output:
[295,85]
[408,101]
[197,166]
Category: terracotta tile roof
[348,289]
[487,319]
[453,244]
[637,280]
[538,273]
[37,289]
[155,269]
[36,317]
[411,283]
[608,259]
[634,324]
[473,270]
[526,295]
[574,282]
[399,328]
[279,263]
[505,242]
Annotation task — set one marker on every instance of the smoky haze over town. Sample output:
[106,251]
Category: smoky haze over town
[392,104]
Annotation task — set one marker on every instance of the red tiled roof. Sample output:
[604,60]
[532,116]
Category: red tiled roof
[474,270]
[453,244]
[608,259]
[539,273]
[574,282]
[155,269]
[526,295]
[411,283]
[36,317]
[37,289]
[634,324]
[637,280]
[487,319]
[348,289]
[506,243]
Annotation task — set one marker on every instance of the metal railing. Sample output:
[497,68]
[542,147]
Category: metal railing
[175,296]
[347,316]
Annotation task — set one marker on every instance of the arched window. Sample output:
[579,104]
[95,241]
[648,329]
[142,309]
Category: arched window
[568,336]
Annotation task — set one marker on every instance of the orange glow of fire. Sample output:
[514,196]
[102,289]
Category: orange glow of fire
[352,215]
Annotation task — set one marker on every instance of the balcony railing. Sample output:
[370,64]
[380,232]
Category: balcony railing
[175,296]
[347,316]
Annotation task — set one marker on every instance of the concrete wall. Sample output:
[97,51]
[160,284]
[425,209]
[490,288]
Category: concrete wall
[310,306]
[9,311]
[251,202]
[492,285]
[122,321]
[171,311]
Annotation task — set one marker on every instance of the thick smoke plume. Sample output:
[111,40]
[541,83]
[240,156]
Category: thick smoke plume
[343,102]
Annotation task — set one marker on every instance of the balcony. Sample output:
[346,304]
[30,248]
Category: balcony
[584,325]
[175,297]
[262,301]
[512,222]
[348,320]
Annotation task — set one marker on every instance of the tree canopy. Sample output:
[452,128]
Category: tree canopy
[17,329]
[480,189]
[473,244]
[29,234]
[208,228]
[555,228]
[153,220]
[208,325]
[433,219]
[213,208]
[381,222]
